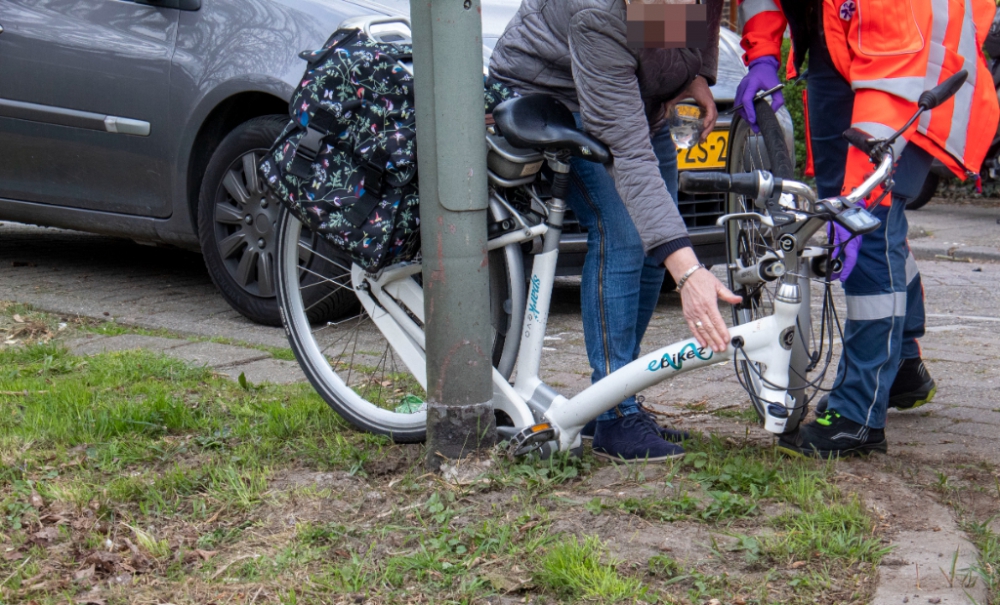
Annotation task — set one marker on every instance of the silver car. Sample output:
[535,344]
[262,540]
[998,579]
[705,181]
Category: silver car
[144,119]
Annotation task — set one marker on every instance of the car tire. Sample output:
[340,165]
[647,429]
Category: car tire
[237,227]
[926,192]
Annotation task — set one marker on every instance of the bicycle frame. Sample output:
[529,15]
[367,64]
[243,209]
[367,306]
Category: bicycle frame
[539,413]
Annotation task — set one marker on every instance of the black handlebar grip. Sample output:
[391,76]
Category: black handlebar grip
[704,182]
[860,140]
[942,92]
[746,183]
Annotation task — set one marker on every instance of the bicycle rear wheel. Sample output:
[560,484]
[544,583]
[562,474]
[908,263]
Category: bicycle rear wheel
[370,367]
[747,242]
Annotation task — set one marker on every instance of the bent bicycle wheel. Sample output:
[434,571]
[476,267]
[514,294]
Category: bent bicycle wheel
[747,242]
[370,367]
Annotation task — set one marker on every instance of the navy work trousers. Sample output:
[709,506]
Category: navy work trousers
[885,298]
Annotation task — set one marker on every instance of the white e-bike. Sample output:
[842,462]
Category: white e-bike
[370,367]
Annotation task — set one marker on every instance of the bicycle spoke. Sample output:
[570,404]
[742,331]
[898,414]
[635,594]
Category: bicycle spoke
[312,250]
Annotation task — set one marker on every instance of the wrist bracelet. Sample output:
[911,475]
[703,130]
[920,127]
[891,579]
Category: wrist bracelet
[688,274]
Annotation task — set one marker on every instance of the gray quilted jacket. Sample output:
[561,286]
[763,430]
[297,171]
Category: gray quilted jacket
[576,51]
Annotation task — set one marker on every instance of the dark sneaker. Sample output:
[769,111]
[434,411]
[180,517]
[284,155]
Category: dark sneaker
[632,439]
[832,436]
[912,388]
[671,435]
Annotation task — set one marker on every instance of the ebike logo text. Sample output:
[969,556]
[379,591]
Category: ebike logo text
[536,285]
[676,361]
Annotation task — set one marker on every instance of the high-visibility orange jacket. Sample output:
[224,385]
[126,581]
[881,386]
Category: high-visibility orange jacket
[890,52]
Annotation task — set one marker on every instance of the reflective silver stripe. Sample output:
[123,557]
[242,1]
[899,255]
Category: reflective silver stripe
[881,131]
[958,133]
[876,306]
[905,87]
[955,145]
[751,8]
[912,272]
[935,56]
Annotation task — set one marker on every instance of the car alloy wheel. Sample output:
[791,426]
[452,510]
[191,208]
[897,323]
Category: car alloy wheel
[246,218]
[236,226]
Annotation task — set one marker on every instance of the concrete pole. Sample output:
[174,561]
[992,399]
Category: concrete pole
[448,74]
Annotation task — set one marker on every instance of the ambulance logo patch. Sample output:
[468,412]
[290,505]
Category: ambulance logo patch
[847,10]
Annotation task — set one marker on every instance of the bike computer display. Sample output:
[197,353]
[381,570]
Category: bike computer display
[857,220]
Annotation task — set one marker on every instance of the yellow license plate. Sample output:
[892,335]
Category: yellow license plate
[708,155]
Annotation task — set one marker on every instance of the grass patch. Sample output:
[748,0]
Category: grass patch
[211,491]
[837,530]
[987,569]
[574,569]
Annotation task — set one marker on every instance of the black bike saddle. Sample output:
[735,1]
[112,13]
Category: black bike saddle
[542,122]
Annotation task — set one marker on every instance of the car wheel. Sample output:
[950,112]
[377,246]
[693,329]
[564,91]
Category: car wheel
[237,226]
[926,192]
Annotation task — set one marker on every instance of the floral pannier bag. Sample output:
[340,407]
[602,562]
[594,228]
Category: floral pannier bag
[346,164]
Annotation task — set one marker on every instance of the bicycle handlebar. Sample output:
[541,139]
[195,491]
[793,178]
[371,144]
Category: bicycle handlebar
[756,184]
[876,179]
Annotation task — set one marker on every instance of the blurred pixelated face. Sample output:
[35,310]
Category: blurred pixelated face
[666,24]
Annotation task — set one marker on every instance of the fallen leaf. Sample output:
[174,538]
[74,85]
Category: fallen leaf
[798,564]
[46,534]
[18,319]
[103,560]
[84,573]
[36,500]
[501,582]
[12,555]
[206,554]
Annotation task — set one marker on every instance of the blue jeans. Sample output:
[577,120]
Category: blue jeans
[885,298]
[620,286]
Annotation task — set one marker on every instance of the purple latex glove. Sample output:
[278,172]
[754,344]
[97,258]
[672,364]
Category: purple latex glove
[840,235]
[763,75]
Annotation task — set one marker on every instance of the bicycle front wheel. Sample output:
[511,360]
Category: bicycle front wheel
[370,367]
[747,242]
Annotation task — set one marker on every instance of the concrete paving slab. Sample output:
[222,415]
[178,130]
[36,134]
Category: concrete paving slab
[925,540]
[963,231]
[124,342]
[274,371]
[218,355]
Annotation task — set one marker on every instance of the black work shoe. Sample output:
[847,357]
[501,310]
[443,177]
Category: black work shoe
[671,435]
[912,387]
[632,439]
[832,436]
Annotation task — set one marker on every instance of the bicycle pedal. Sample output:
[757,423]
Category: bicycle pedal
[531,438]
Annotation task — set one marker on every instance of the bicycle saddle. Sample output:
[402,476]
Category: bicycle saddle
[541,122]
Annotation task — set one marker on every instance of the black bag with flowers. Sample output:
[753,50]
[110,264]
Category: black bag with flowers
[346,164]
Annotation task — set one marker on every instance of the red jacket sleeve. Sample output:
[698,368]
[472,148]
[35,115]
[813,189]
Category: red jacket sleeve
[763,29]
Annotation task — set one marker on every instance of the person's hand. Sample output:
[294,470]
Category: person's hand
[699,91]
[763,75]
[838,236]
[699,297]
